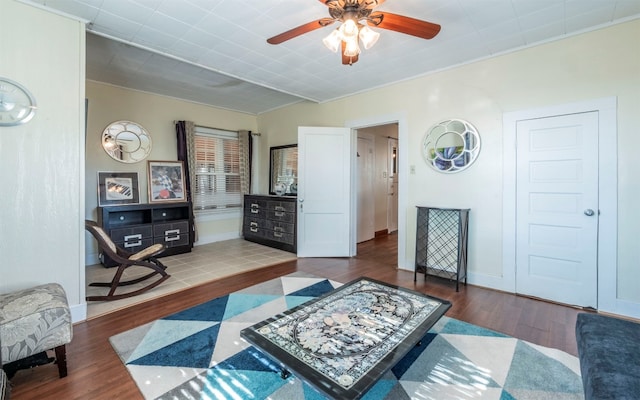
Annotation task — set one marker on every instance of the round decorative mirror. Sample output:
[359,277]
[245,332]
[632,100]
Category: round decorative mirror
[126,141]
[451,146]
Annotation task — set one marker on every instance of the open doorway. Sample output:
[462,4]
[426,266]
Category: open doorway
[377,181]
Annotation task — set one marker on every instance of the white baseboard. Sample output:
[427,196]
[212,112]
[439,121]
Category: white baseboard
[78,312]
[220,237]
[490,282]
[622,307]
[91,259]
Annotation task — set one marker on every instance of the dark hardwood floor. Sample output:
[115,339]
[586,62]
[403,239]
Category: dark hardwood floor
[96,372]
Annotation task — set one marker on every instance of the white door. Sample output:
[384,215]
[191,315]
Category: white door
[392,188]
[324,192]
[557,208]
[366,198]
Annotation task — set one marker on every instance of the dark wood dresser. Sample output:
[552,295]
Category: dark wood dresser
[271,221]
[134,227]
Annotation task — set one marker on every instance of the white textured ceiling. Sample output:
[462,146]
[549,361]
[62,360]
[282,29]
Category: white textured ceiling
[215,51]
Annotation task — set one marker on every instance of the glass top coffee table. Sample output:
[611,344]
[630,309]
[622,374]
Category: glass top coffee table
[343,342]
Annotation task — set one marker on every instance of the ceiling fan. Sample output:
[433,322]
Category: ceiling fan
[353,14]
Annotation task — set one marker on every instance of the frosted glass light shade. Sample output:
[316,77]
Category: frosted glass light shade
[352,49]
[368,36]
[349,29]
[332,41]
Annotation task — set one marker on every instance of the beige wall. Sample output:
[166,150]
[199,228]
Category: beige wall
[157,115]
[42,162]
[594,65]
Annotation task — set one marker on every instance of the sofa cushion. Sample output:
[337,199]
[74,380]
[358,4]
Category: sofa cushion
[609,353]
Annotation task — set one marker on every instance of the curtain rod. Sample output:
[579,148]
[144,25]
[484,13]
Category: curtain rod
[209,127]
[220,129]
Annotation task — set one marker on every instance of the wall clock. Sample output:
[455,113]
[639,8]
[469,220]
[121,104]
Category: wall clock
[17,104]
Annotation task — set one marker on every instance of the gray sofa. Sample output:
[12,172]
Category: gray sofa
[609,353]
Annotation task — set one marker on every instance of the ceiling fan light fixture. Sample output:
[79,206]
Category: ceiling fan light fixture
[354,16]
[332,41]
[368,36]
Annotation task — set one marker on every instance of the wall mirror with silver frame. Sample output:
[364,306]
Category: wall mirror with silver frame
[451,146]
[283,170]
[126,141]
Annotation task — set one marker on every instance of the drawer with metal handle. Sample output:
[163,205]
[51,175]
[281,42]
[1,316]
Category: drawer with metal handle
[135,245]
[131,234]
[281,227]
[172,234]
[279,235]
[253,228]
[282,206]
[255,207]
[282,216]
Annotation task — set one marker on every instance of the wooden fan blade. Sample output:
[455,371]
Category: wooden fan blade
[347,60]
[300,30]
[402,24]
[371,4]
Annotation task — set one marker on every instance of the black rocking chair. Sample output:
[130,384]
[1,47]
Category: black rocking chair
[124,259]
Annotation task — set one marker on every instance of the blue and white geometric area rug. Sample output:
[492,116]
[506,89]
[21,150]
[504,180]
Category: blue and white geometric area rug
[198,354]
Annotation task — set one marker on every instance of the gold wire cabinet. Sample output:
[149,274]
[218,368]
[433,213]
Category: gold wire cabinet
[441,243]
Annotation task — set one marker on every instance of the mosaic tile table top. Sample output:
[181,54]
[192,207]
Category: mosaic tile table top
[343,342]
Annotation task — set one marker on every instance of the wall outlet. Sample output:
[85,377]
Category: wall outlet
[412,169]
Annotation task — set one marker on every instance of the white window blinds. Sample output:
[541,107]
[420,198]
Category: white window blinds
[217,174]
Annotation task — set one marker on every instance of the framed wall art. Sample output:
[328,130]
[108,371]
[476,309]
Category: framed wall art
[166,181]
[115,188]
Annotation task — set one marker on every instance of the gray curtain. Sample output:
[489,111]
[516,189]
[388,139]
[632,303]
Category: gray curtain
[244,147]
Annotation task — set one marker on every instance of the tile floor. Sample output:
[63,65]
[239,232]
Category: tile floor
[204,263]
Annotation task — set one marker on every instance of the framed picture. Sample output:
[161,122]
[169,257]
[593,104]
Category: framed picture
[115,188]
[166,181]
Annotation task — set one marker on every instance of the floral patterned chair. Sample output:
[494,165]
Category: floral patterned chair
[4,386]
[35,320]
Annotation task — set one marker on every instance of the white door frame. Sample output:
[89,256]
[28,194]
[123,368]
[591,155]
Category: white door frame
[392,206]
[607,194]
[403,170]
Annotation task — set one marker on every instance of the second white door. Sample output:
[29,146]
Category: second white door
[324,192]
[557,208]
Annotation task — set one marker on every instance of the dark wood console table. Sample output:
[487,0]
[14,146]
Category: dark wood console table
[134,227]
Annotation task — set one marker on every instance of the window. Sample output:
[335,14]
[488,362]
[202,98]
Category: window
[217,172]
